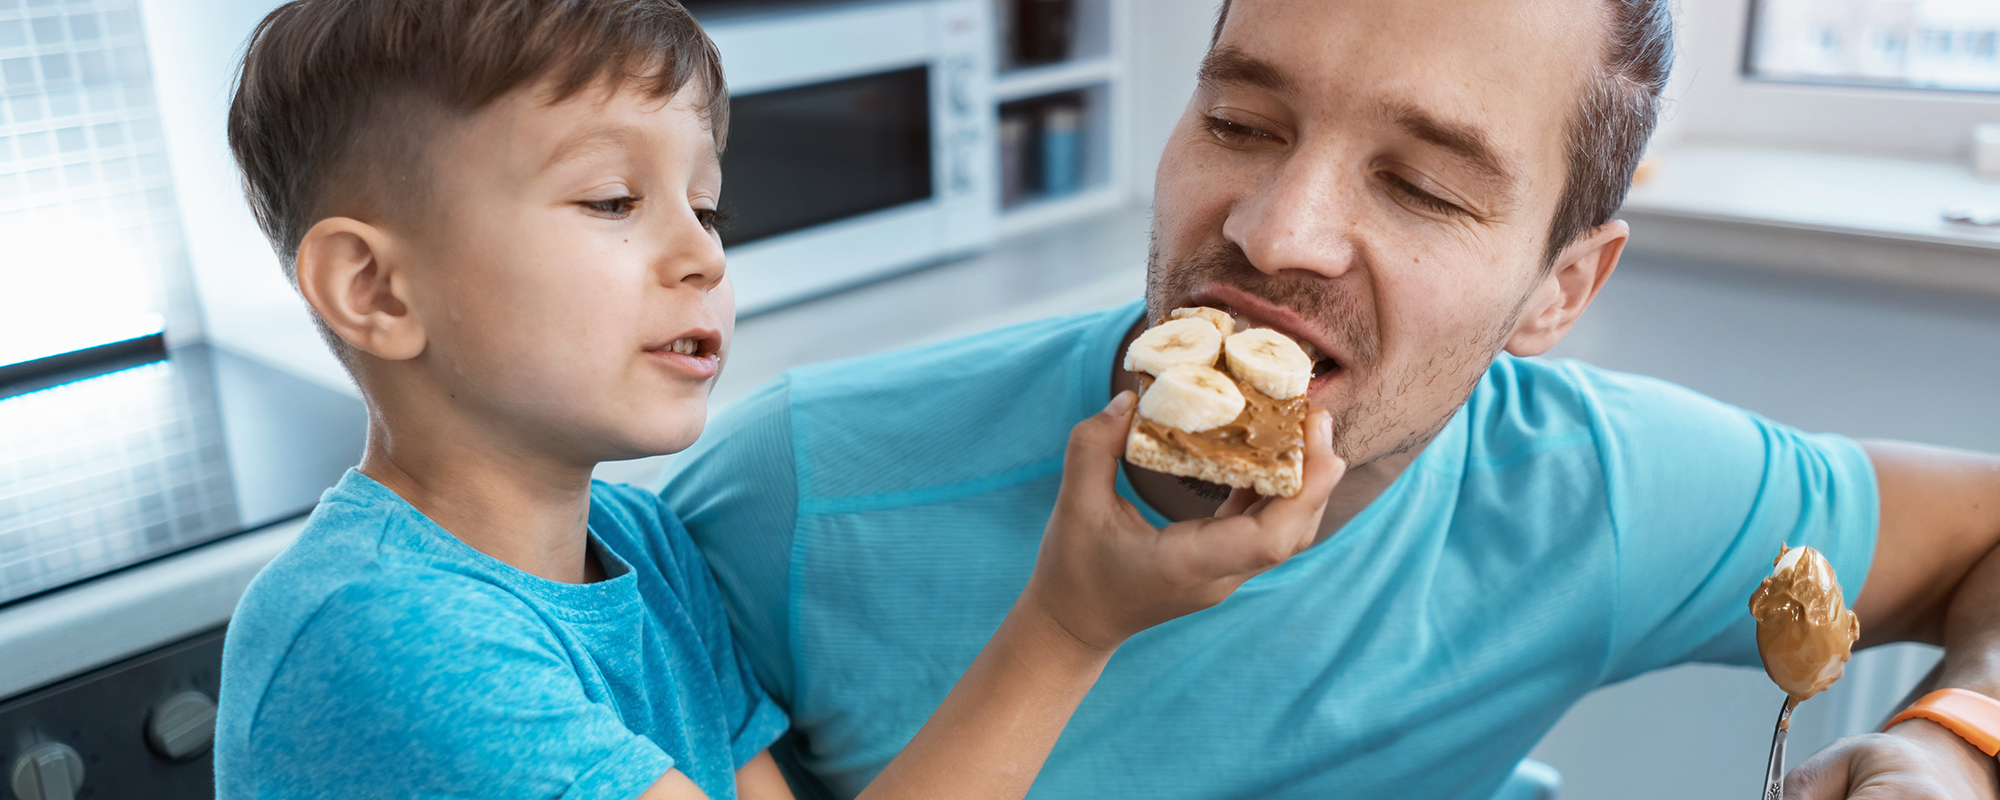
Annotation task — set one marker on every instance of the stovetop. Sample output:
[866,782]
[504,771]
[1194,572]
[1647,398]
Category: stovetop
[103,472]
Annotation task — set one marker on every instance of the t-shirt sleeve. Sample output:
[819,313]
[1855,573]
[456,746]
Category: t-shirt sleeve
[1702,495]
[431,686]
[736,492]
[756,719]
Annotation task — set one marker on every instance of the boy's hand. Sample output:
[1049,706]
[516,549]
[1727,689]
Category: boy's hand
[1104,573]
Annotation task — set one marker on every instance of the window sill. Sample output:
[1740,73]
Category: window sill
[1862,217]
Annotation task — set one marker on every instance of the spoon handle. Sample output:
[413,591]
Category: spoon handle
[1774,773]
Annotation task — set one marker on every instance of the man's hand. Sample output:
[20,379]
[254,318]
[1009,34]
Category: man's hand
[1936,578]
[1916,760]
[1105,574]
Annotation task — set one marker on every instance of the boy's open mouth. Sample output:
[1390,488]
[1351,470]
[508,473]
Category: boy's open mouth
[695,354]
[696,344]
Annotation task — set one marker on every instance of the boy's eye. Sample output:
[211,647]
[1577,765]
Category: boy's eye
[711,219]
[615,208]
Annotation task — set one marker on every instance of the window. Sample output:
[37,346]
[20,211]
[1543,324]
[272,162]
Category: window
[88,228]
[1929,44]
[1802,74]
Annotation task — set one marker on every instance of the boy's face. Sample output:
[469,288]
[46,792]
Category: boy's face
[568,275]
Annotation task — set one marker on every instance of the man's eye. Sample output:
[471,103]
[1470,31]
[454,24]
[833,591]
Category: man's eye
[1429,201]
[615,208]
[1233,132]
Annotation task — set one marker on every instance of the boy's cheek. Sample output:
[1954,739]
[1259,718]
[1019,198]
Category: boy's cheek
[722,302]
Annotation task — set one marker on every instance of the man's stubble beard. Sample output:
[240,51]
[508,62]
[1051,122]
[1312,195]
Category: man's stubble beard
[1366,420]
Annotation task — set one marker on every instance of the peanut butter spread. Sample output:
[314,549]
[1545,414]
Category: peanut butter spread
[1269,432]
[1805,633]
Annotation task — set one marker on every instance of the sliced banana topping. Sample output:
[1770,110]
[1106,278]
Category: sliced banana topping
[1173,343]
[1270,361]
[1223,322]
[1192,397]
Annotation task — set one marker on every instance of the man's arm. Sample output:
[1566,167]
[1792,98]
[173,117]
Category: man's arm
[1940,518]
[1935,579]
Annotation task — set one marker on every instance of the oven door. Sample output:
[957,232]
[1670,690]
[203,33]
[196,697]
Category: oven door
[858,145]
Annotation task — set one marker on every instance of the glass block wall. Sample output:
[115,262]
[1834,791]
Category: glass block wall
[90,242]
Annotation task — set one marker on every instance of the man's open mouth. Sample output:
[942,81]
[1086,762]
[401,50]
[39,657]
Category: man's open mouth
[1323,364]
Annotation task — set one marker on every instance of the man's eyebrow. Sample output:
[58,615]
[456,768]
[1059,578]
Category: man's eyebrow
[1228,66]
[1467,142]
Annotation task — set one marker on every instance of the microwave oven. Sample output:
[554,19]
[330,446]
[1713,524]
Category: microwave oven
[861,141]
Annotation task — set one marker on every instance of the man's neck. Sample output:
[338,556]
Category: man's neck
[530,512]
[1167,495]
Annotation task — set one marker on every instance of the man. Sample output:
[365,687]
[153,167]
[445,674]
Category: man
[1424,190]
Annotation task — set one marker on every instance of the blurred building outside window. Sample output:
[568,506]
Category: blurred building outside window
[1918,44]
[90,239]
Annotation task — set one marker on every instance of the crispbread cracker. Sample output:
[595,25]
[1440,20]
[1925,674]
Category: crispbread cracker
[1285,479]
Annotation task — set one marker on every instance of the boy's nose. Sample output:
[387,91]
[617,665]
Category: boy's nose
[698,259]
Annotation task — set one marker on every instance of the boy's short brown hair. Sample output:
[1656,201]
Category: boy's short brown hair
[337,98]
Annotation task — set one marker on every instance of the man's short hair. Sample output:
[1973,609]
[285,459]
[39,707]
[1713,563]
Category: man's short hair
[1613,122]
[338,98]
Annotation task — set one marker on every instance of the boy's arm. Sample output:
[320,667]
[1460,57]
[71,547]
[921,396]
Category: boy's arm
[1103,574]
[757,780]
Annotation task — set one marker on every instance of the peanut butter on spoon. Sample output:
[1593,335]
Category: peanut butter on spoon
[1805,633]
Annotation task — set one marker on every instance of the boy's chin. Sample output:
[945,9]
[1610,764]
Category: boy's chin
[666,438]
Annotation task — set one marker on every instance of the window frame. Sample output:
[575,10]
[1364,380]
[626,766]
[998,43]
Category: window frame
[1715,99]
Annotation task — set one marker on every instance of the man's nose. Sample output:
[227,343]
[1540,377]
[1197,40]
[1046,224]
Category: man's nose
[1300,218]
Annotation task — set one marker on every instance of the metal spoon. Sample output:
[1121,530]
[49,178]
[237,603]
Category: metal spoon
[1774,774]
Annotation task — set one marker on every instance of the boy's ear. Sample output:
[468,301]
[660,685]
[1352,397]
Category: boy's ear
[347,273]
[1559,300]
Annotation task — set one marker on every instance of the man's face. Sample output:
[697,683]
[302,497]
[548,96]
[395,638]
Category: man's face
[570,247]
[1377,178]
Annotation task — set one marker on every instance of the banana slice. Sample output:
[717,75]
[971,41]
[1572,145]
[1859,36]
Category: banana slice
[1173,343]
[1270,361]
[1192,397]
[1223,322]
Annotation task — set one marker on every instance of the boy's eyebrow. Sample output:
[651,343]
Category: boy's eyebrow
[589,141]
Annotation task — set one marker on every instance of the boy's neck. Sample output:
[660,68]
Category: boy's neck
[527,511]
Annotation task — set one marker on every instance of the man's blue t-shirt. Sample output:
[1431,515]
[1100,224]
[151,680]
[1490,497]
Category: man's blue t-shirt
[379,656]
[870,522]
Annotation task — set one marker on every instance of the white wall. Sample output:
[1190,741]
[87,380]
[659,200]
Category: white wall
[246,304]
[1168,40]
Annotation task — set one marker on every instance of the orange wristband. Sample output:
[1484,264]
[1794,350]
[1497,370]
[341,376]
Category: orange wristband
[1973,716]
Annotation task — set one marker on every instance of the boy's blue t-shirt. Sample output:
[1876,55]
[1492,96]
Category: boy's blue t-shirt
[379,656]
[870,522]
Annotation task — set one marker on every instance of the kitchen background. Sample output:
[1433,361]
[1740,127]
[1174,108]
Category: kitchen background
[1806,245]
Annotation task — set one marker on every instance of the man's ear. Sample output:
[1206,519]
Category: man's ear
[346,274]
[1560,298]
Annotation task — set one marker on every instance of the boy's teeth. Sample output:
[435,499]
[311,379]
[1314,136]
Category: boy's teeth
[686,347]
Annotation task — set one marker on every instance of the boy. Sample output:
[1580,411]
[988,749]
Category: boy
[502,215]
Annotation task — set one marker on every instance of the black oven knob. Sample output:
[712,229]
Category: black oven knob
[48,771]
[182,727]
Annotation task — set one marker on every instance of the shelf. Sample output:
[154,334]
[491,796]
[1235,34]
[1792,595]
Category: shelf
[1878,197]
[1043,212]
[1059,77]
